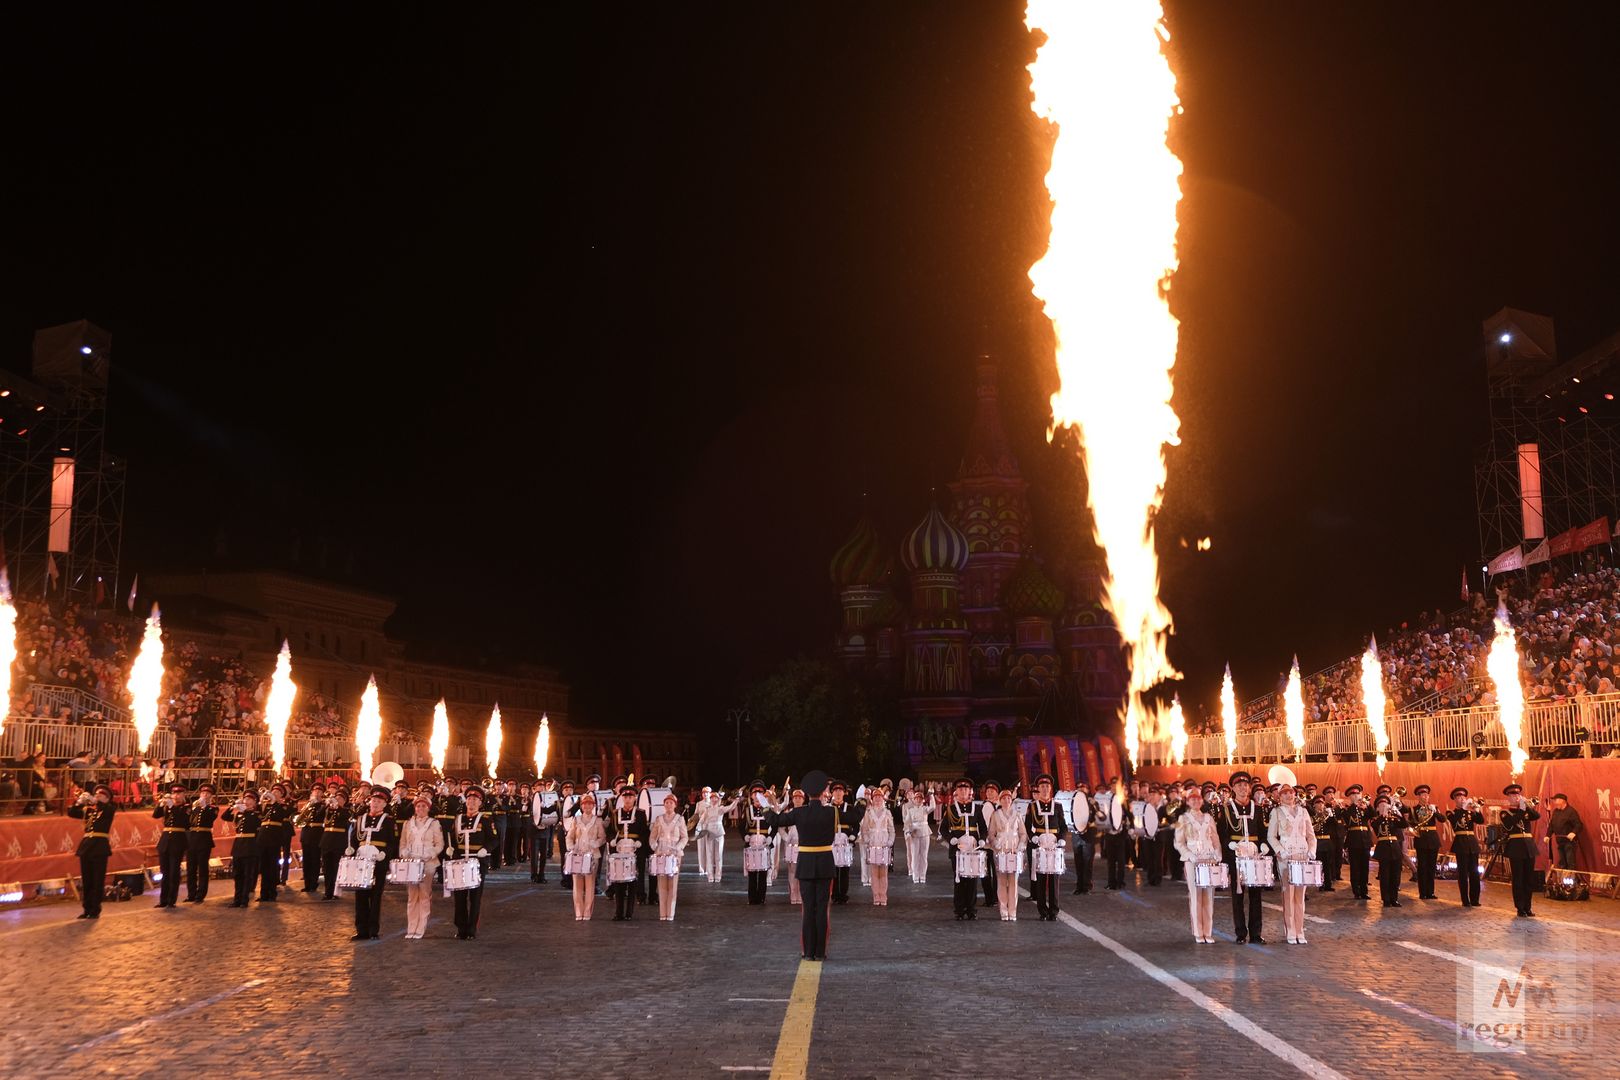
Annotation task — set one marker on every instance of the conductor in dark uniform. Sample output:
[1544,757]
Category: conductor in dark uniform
[95,848]
[815,821]
[1520,843]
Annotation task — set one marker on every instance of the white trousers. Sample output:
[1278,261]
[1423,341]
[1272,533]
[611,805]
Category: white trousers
[711,850]
[1201,909]
[917,857]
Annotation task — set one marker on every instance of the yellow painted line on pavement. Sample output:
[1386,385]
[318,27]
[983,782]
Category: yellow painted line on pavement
[793,1044]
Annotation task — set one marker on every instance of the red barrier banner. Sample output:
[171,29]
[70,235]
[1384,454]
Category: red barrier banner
[1110,758]
[1043,754]
[1023,767]
[44,848]
[1065,764]
[1591,784]
[1088,754]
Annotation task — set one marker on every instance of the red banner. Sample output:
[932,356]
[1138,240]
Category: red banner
[1065,764]
[1591,784]
[1023,768]
[44,848]
[1573,540]
[1088,754]
[1044,755]
[1110,759]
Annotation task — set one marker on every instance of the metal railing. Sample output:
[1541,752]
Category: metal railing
[1579,724]
[51,700]
[25,736]
[236,745]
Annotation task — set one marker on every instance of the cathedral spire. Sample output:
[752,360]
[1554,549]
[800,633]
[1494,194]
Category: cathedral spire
[988,454]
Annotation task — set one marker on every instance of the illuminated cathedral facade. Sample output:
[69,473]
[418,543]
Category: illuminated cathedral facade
[981,639]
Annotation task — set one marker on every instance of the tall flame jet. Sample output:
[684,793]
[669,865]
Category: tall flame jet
[1103,81]
[8,646]
[439,740]
[1502,662]
[1294,711]
[492,741]
[542,746]
[368,728]
[146,682]
[1372,697]
[278,705]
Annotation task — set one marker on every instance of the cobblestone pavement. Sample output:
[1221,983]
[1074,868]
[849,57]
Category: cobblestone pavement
[279,990]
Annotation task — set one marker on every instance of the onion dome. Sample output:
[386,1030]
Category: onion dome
[935,544]
[860,561]
[1030,592]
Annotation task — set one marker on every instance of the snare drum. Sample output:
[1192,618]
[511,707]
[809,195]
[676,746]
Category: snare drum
[1009,862]
[1256,871]
[582,863]
[460,874]
[880,856]
[621,867]
[790,853]
[1211,875]
[971,864]
[664,865]
[842,853]
[1049,860]
[355,872]
[1304,871]
[756,860]
[406,871]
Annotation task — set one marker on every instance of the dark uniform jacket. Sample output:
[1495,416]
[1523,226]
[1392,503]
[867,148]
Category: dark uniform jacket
[1424,821]
[176,820]
[200,826]
[1463,836]
[474,836]
[1053,823]
[635,827]
[816,823]
[384,833]
[1234,827]
[335,829]
[246,839]
[98,819]
[1518,831]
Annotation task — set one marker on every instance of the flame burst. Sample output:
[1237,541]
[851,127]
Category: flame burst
[1372,696]
[1102,79]
[1178,732]
[1294,711]
[368,728]
[542,747]
[8,646]
[439,741]
[492,742]
[278,705]
[1502,662]
[1229,715]
[146,682]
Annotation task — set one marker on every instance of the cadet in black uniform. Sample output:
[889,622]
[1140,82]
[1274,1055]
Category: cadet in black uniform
[446,805]
[1424,821]
[373,828]
[1045,818]
[816,821]
[310,821]
[626,822]
[1358,839]
[275,833]
[757,821]
[334,837]
[989,800]
[1339,828]
[500,811]
[1169,814]
[475,837]
[1085,841]
[244,845]
[1388,823]
[960,820]
[200,844]
[844,825]
[1519,837]
[1242,821]
[1322,826]
[1465,844]
[95,847]
[171,845]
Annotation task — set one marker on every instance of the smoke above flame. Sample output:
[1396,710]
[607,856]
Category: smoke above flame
[1372,696]
[1102,79]
[492,742]
[542,747]
[146,682]
[1294,710]
[439,740]
[1229,715]
[368,728]
[8,646]
[1502,663]
[278,705]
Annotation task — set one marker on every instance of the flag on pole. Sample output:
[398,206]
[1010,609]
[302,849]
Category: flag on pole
[1465,584]
[50,568]
[132,587]
[101,591]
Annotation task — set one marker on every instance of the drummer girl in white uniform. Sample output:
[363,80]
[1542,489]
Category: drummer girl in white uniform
[668,840]
[789,836]
[1008,836]
[586,835]
[1293,837]
[877,843]
[1198,841]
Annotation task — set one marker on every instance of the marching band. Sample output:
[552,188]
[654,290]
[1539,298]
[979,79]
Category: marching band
[1242,836]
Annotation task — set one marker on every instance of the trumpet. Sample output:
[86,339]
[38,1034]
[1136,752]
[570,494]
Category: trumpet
[1400,793]
[1534,801]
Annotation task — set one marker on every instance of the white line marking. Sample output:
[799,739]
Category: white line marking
[1234,1020]
[780,1001]
[1489,969]
[1308,916]
[745,1068]
[1451,1025]
[514,896]
[1548,920]
[172,1014]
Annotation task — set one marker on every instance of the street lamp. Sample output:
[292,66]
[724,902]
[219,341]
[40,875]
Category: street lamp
[738,717]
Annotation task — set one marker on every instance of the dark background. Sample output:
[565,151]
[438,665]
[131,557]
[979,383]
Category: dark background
[582,331]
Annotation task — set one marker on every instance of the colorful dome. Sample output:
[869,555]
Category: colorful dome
[935,544]
[860,561]
[1030,592]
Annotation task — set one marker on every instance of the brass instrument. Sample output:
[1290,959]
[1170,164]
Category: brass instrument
[1400,793]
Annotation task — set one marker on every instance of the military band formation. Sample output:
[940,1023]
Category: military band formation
[629,841]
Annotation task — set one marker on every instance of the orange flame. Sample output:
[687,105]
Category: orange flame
[1229,715]
[368,728]
[1178,732]
[542,747]
[1294,711]
[8,646]
[278,705]
[439,741]
[1502,662]
[146,681]
[1372,696]
[1102,79]
[492,742]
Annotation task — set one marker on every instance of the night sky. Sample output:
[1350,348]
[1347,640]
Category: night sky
[583,331]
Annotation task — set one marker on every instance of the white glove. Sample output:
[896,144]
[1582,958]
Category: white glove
[1264,849]
[349,852]
[1244,849]
[1048,841]
[372,854]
